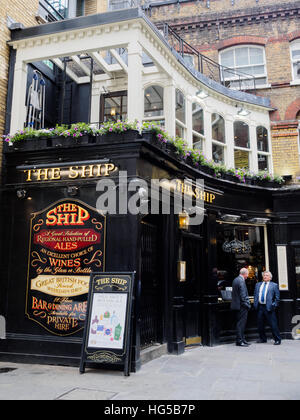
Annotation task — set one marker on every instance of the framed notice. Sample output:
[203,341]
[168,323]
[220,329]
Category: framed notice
[282,268]
[107,331]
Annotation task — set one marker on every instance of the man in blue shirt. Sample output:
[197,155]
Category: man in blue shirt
[266,300]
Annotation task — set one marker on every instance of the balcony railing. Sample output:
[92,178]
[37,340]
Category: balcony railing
[228,77]
[49,13]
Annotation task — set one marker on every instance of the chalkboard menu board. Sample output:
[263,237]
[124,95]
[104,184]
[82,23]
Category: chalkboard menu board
[106,338]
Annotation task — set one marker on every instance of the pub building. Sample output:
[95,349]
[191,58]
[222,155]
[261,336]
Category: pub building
[119,66]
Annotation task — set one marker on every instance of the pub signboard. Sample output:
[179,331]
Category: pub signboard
[67,243]
[106,338]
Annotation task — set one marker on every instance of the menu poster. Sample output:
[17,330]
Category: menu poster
[107,330]
[67,243]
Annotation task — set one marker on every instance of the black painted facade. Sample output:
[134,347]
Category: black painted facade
[178,311]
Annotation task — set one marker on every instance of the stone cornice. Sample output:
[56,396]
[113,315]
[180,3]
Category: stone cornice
[239,17]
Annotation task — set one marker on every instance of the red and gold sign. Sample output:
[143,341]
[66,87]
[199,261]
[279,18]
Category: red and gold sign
[67,242]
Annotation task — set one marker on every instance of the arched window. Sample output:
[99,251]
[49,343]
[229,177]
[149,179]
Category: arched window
[180,106]
[153,101]
[262,139]
[244,60]
[218,128]
[241,134]
[295,57]
[263,148]
[198,126]
[180,114]
[241,144]
[218,138]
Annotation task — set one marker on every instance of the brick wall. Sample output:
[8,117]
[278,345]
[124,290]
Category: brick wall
[285,149]
[22,11]
[269,23]
[90,7]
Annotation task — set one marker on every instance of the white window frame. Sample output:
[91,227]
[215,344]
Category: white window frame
[294,45]
[259,152]
[217,142]
[224,146]
[240,68]
[181,124]
[195,133]
[158,118]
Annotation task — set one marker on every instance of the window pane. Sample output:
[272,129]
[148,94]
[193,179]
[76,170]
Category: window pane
[179,131]
[296,68]
[198,123]
[261,81]
[218,127]
[296,54]
[241,134]
[262,139]
[218,153]
[227,58]
[237,247]
[153,101]
[241,56]
[115,108]
[180,106]
[256,55]
[263,164]
[197,142]
[241,159]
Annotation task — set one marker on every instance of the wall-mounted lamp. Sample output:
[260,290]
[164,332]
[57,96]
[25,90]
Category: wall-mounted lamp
[202,94]
[113,112]
[243,112]
[21,194]
[259,220]
[230,218]
[183,220]
[72,191]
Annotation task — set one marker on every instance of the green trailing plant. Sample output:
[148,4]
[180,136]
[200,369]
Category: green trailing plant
[185,152]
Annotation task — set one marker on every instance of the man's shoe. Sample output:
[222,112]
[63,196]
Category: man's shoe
[277,343]
[246,342]
[261,341]
[242,344]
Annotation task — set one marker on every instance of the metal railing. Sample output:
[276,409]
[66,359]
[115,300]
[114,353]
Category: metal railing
[227,76]
[48,12]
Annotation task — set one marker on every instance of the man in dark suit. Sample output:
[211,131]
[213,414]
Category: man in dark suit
[241,304]
[266,300]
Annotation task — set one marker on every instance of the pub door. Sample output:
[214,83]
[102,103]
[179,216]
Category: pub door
[151,326]
[192,288]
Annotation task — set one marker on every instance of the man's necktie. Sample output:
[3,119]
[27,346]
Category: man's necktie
[263,297]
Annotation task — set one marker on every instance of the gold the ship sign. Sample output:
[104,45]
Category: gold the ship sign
[97,170]
[67,243]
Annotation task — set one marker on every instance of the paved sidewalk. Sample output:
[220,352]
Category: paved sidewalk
[261,371]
